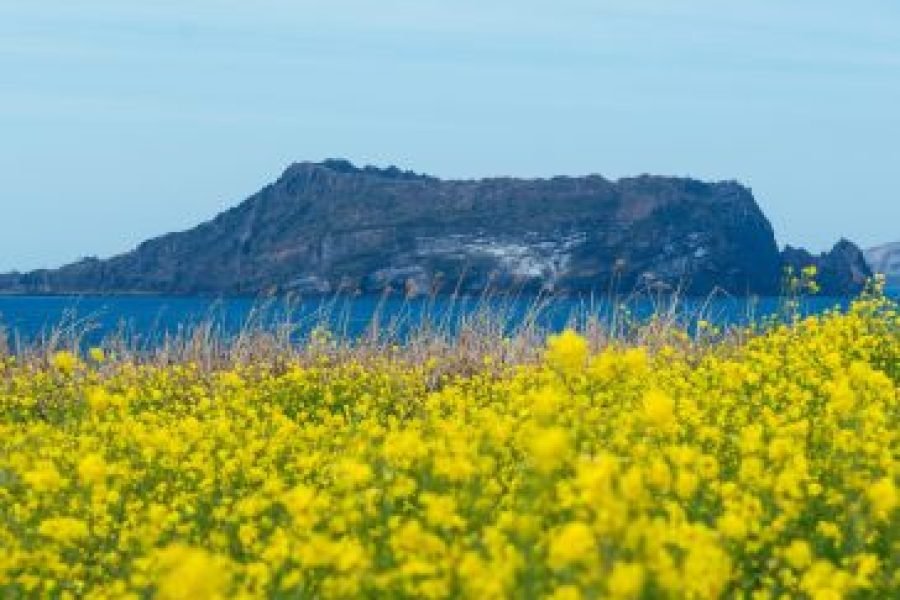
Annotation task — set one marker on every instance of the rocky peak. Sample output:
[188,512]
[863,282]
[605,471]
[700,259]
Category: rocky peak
[342,167]
[841,270]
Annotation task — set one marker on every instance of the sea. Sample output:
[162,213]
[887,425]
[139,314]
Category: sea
[147,321]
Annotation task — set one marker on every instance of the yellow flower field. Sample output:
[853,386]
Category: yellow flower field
[763,469]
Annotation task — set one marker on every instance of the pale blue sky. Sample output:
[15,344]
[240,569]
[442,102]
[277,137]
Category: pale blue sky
[121,120]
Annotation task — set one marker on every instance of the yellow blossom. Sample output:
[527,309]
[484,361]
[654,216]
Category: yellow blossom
[65,530]
[64,361]
[44,477]
[883,497]
[186,573]
[97,355]
[659,408]
[92,469]
[550,449]
[798,554]
[567,351]
[571,544]
[626,580]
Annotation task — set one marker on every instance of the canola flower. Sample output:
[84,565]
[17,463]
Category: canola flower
[766,469]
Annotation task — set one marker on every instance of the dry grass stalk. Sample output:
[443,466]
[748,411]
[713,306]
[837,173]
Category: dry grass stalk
[457,336]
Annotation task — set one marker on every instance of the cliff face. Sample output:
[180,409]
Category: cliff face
[323,227]
[885,259]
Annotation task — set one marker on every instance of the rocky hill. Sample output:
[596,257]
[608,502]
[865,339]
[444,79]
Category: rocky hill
[843,268]
[331,226]
[886,259]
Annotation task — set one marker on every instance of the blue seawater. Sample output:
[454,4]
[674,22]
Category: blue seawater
[146,320]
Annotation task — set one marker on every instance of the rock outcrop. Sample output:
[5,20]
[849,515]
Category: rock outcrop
[885,259]
[840,271]
[331,226]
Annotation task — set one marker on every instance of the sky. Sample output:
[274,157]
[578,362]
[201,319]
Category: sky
[120,121]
